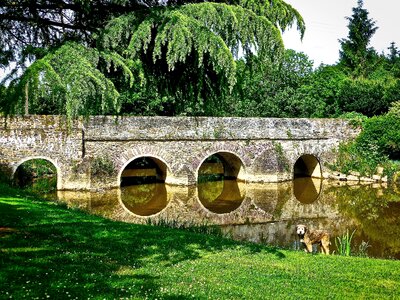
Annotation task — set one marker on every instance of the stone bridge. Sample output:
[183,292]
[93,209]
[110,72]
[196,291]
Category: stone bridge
[91,154]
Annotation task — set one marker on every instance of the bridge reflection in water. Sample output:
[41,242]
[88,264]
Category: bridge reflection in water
[222,196]
[263,213]
[144,199]
[307,189]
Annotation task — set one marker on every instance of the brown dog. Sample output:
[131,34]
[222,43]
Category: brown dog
[310,237]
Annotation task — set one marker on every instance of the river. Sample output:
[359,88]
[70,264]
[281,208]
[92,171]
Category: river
[262,213]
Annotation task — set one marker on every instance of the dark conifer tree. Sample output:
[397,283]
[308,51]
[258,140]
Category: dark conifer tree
[355,53]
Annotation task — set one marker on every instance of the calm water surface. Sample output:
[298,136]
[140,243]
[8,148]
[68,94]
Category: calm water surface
[263,213]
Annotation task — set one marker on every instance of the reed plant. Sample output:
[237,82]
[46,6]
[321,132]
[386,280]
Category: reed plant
[203,228]
[343,243]
[362,249]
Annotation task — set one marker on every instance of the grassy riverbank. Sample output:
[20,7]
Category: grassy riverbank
[49,251]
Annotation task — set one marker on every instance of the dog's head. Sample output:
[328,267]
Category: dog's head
[301,230]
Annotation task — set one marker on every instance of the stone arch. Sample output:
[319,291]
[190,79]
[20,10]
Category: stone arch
[15,166]
[233,165]
[162,170]
[307,165]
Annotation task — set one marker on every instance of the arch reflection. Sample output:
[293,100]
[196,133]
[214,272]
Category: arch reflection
[307,189]
[145,199]
[220,196]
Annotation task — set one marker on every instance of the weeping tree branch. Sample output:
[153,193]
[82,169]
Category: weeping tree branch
[186,52]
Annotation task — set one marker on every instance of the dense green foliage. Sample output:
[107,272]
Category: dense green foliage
[50,251]
[378,145]
[68,82]
[173,59]
[195,42]
[272,90]
[362,81]
[383,133]
[28,26]
[221,58]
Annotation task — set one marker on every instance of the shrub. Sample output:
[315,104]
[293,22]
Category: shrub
[356,119]
[377,145]
[365,96]
[351,157]
[382,132]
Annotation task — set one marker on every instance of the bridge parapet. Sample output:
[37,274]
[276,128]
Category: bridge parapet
[208,128]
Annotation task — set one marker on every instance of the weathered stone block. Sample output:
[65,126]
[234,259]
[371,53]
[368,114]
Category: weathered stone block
[353,178]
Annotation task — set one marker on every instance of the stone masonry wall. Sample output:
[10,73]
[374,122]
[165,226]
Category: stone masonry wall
[266,147]
[49,137]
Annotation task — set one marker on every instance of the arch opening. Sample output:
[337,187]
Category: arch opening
[36,174]
[143,190]
[219,187]
[307,179]
[219,166]
[307,166]
[144,170]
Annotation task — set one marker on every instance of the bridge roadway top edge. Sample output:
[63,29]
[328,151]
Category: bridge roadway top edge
[112,128]
[122,140]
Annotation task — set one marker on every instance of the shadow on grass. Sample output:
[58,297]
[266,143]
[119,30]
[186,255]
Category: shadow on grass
[59,253]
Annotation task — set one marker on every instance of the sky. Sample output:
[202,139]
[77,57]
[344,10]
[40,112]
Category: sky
[326,23]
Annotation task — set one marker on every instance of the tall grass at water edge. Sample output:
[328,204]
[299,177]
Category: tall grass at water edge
[187,225]
[343,243]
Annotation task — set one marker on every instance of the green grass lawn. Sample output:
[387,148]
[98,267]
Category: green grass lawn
[49,251]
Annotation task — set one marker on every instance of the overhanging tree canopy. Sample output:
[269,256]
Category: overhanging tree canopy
[188,50]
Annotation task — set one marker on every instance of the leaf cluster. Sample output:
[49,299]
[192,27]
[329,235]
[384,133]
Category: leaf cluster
[49,23]
[272,89]
[66,81]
